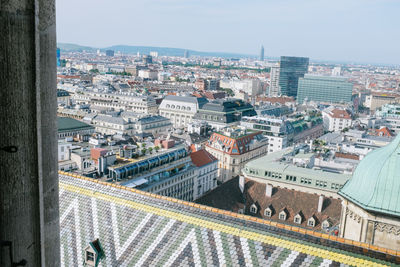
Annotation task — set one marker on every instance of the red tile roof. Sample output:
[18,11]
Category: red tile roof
[202,157]
[347,156]
[236,146]
[340,114]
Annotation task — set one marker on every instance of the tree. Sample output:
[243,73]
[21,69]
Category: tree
[143,145]
[144,151]
[150,150]
[157,148]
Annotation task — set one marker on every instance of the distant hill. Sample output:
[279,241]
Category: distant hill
[162,51]
[75,47]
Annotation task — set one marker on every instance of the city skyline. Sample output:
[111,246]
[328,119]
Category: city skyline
[311,29]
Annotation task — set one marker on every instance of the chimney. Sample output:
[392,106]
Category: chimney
[320,203]
[241,183]
[268,190]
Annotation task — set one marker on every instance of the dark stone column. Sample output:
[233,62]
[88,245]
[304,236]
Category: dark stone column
[29,215]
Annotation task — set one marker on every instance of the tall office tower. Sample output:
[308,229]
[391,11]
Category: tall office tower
[109,53]
[262,53]
[58,57]
[186,54]
[324,89]
[291,69]
[274,89]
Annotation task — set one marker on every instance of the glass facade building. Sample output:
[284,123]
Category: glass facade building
[291,69]
[324,89]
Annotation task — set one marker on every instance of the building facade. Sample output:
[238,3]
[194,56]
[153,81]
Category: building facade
[180,109]
[274,89]
[324,89]
[222,113]
[336,120]
[233,147]
[291,69]
[207,166]
[279,132]
[168,173]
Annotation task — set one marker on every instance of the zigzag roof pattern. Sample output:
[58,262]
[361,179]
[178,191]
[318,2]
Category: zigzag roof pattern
[141,229]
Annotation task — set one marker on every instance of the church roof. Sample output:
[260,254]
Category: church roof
[142,229]
[375,185]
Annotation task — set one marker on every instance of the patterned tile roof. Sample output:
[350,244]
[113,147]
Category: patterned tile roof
[140,229]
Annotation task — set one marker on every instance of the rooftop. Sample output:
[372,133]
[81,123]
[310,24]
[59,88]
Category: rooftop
[139,228]
[202,157]
[67,124]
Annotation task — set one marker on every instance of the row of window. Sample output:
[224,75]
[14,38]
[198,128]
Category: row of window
[298,219]
[178,107]
[294,179]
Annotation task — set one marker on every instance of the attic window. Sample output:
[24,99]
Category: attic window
[253,208]
[297,219]
[268,212]
[89,256]
[311,222]
[282,215]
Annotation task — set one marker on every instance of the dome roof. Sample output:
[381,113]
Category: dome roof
[375,185]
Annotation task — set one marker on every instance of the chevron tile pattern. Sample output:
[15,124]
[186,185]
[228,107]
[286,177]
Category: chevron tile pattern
[137,230]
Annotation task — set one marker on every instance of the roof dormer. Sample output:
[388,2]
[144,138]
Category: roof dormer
[93,253]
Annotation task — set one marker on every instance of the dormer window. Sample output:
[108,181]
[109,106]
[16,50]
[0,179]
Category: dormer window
[253,209]
[326,224]
[268,212]
[94,253]
[297,219]
[282,215]
[311,222]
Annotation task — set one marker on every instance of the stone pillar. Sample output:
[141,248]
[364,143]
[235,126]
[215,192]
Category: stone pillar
[29,215]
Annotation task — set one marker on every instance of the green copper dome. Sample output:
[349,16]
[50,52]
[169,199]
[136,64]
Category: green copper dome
[375,185]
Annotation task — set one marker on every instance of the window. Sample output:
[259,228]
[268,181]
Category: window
[253,209]
[282,215]
[268,212]
[89,256]
[297,219]
[311,222]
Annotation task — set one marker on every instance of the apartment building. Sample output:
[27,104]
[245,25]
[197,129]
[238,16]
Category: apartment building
[233,147]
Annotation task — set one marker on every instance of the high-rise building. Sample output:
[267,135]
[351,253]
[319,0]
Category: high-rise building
[274,89]
[262,53]
[186,54]
[291,69]
[58,57]
[109,53]
[324,89]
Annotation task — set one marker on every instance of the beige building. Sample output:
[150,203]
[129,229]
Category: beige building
[375,101]
[234,147]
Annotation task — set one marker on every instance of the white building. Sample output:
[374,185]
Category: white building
[148,74]
[274,89]
[280,132]
[336,120]
[180,109]
[207,166]
[121,100]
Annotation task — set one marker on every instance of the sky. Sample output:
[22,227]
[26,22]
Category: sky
[365,31]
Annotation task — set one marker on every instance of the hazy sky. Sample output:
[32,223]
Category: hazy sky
[343,30]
